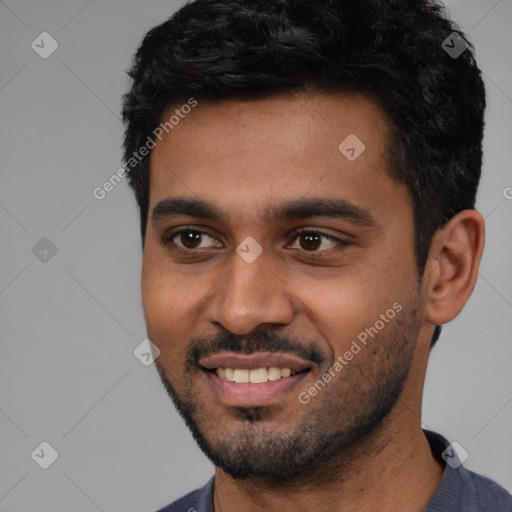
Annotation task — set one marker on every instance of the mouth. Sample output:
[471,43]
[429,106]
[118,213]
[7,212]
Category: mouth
[257,376]
[253,380]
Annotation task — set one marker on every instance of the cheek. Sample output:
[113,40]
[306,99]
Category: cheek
[343,306]
[162,316]
[160,297]
[154,292]
[171,304]
[358,312]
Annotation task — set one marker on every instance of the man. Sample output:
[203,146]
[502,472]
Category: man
[306,173]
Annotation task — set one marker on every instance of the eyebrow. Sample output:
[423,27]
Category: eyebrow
[334,208]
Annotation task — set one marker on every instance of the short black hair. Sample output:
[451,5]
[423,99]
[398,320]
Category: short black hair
[391,50]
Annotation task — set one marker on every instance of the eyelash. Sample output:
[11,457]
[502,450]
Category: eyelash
[168,237]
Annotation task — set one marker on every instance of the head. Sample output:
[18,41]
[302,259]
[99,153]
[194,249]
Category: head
[326,164]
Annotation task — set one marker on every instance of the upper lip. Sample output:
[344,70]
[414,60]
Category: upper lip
[254,361]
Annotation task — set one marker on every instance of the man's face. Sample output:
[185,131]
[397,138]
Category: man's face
[282,254]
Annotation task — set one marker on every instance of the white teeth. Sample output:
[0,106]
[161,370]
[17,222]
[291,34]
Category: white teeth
[256,376]
[274,373]
[241,376]
[285,372]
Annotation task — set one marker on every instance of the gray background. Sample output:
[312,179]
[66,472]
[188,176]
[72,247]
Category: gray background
[70,324]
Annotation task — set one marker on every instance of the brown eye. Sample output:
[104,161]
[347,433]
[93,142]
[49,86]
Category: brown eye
[312,241]
[190,239]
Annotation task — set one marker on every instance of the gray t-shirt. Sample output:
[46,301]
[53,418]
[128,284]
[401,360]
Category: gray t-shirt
[459,490]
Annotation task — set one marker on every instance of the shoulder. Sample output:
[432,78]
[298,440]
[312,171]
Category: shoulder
[485,494]
[199,500]
[464,490]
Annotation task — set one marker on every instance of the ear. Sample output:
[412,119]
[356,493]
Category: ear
[452,266]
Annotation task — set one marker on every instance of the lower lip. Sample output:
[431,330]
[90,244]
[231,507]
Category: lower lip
[253,395]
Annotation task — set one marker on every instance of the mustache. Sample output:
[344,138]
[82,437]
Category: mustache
[261,341]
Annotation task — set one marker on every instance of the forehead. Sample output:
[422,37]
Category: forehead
[249,154]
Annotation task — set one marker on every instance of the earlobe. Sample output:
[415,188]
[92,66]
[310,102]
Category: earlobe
[452,268]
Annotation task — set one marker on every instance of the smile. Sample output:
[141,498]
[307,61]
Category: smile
[257,376]
[256,379]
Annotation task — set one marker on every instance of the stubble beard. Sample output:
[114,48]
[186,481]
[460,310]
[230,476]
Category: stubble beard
[350,409]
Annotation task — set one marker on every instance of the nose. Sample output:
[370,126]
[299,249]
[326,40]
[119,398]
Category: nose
[250,295]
